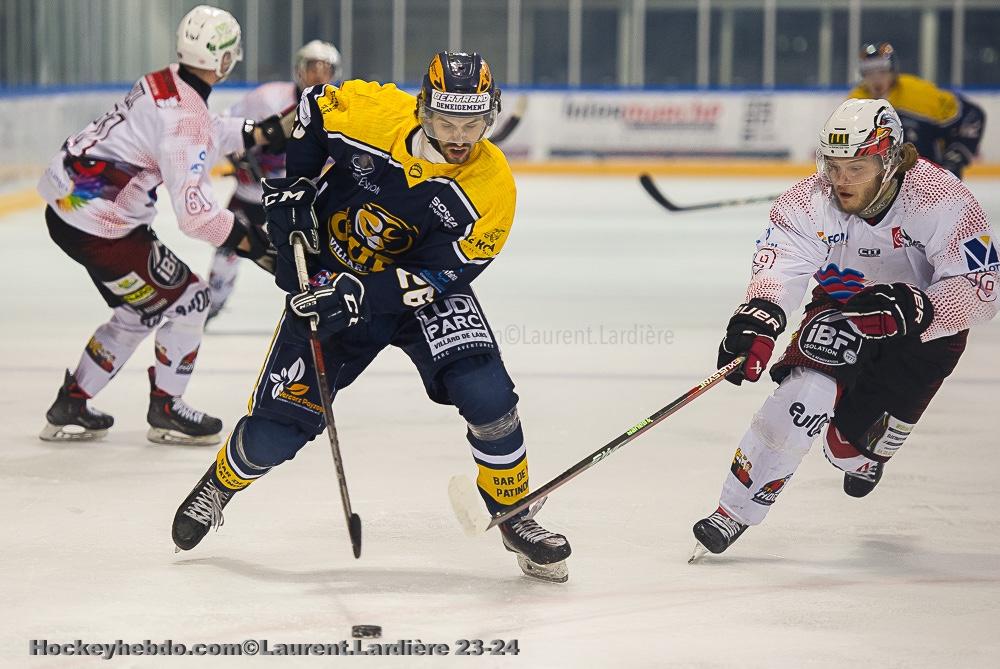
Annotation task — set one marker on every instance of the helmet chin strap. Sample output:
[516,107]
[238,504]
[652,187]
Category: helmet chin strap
[884,195]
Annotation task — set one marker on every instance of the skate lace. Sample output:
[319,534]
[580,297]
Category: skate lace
[729,527]
[867,475]
[180,408]
[206,507]
[534,533]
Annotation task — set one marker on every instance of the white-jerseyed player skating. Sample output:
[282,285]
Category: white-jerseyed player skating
[906,263]
[101,191]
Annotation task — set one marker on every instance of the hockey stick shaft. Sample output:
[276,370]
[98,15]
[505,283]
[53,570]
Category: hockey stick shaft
[602,453]
[647,183]
[504,131]
[352,519]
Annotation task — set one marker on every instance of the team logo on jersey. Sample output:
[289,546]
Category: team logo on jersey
[900,239]
[741,469]
[367,239]
[362,165]
[840,284]
[829,338]
[768,492]
[981,254]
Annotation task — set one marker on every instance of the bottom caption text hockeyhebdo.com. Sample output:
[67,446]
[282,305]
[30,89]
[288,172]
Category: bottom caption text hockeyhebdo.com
[263,647]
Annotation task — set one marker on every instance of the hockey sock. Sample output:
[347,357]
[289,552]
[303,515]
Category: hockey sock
[499,452]
[178,339]
[112,344]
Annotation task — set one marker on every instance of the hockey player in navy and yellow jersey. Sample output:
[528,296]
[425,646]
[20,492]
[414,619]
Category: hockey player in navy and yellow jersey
[943,126]
[415,205]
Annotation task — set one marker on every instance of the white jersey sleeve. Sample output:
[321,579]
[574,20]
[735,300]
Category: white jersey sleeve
[963,253]
[274,98]
[790,251]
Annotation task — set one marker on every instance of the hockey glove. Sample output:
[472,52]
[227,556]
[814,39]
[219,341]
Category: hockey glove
[258,247]
[288,204]
[334,307]
[751,332]
[890,310]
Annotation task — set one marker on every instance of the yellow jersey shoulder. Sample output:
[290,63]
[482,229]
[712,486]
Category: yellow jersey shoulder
[366,111]
[489,184]
[916,97]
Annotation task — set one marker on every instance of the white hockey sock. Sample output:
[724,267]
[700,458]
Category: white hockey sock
[112,344]
[222,276]
[780,435]
[178,339]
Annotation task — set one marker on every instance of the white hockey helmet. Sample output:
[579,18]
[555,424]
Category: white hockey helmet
[860,128]
[206,36]
[316,50]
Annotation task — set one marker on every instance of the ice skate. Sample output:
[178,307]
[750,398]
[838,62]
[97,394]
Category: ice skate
[859,484]
[540,554]
[172,421]
[715,534]
[70,419]
[200,511]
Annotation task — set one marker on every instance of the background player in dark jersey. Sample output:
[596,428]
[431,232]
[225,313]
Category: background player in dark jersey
[415,206]
[943,126]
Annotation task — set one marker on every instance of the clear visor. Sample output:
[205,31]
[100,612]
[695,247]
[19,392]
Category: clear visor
[454,128]
[849,170]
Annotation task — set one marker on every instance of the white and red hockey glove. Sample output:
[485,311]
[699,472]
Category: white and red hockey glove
[751,332]
[890,310]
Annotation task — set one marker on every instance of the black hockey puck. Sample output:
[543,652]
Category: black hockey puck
[366,631]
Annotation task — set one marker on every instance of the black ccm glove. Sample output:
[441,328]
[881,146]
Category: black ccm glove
[288,203]
[890,310]
[334,307]
[751,332]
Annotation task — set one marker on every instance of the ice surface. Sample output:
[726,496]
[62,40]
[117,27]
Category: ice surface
[909,577]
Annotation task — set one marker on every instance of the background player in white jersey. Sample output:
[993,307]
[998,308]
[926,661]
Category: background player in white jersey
[906,263]
[101,194]
[315,63]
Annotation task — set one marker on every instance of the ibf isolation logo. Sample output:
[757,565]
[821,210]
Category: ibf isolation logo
[981,254]
[288,379]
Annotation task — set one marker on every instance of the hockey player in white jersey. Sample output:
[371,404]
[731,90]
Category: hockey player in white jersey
[101,190]
[906,263]
[314,64]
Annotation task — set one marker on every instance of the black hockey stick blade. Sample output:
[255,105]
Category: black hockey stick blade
[504,131]
[354,528]
[646,182]
[464,496]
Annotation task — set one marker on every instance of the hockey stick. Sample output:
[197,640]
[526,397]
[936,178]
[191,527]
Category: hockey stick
[654,192]
[504,131]
[463,492]
[353,520]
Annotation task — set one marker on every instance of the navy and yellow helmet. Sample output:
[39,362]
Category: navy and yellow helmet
[459,88]
[880,56]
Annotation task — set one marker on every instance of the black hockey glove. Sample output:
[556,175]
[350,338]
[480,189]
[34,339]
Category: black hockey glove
[751,332]
[890,310]
[275,129]
[288,204]
[259,247]
[334,307]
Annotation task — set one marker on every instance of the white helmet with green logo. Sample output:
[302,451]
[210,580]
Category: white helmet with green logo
[209,38]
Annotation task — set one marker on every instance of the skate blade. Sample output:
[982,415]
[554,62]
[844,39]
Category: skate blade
[69,433]
[467,505]
[159,435]
[698,553]
[557,572]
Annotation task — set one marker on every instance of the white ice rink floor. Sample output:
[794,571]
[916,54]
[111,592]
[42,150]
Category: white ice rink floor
[908,577]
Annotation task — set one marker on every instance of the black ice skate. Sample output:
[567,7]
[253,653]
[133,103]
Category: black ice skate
[200,511]
[858,484]
[172,421]
[716,533]
[70,419]
[540,554]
